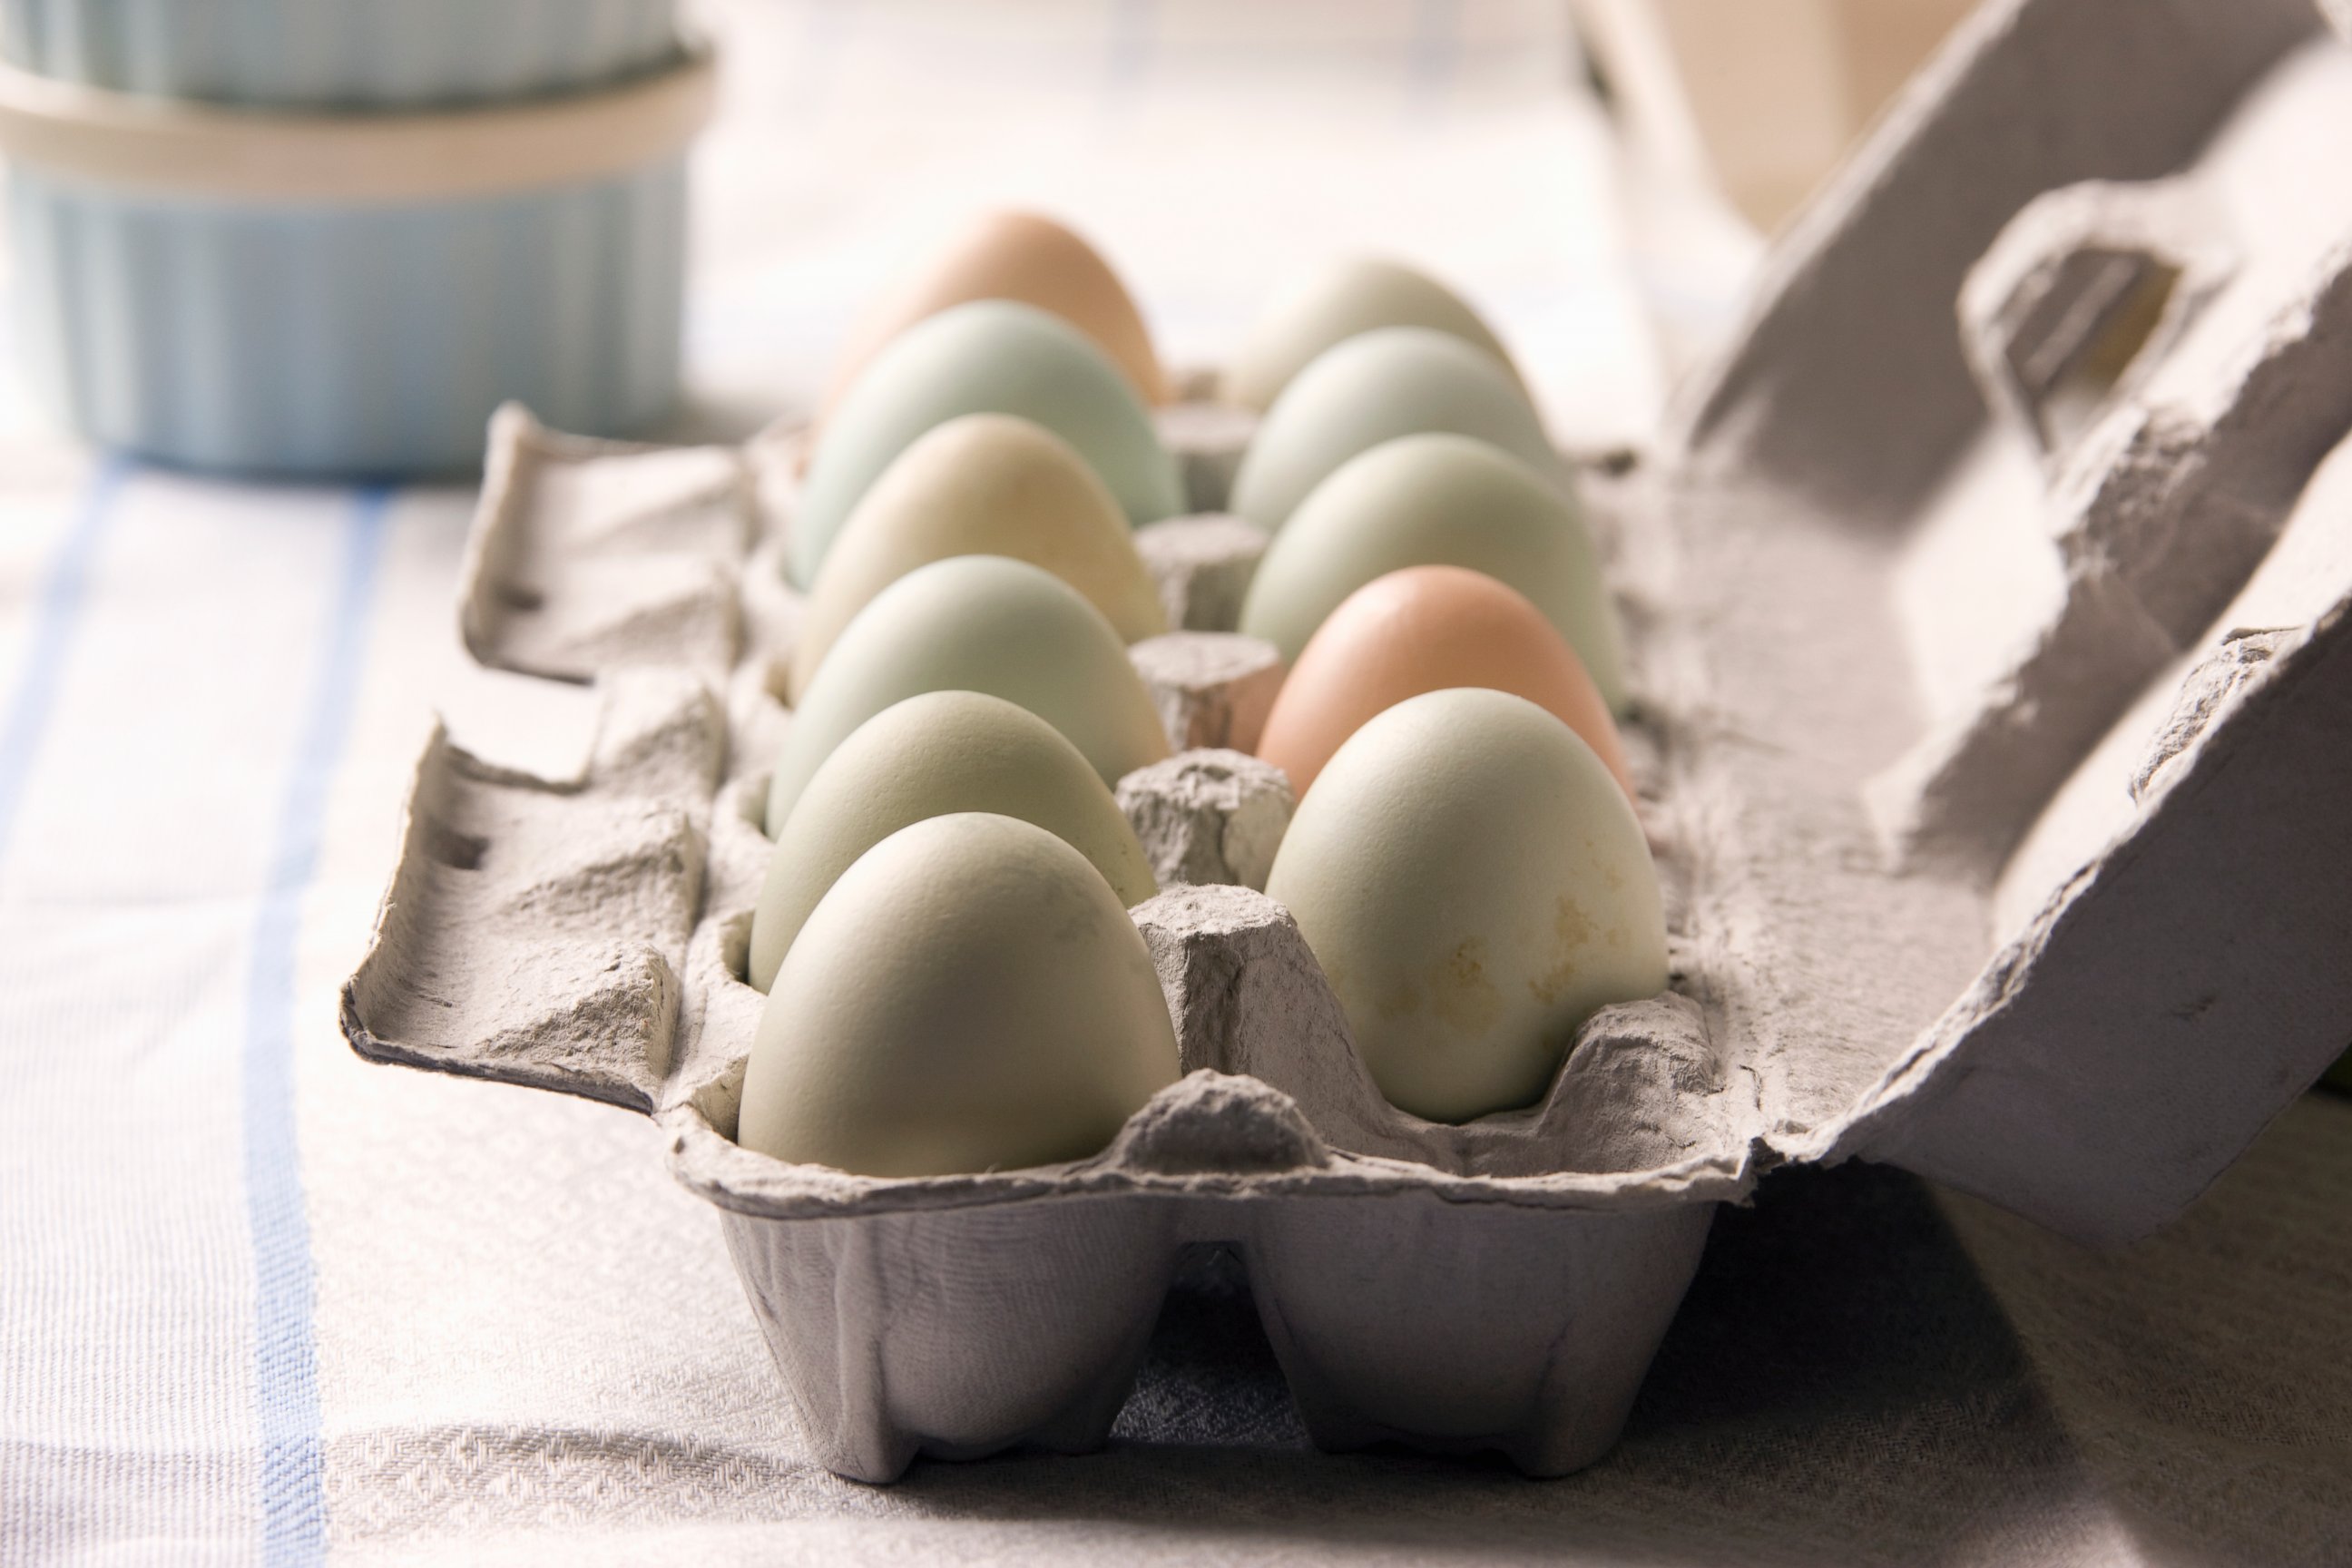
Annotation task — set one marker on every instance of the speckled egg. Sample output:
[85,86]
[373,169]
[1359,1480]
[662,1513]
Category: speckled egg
[1475,885]
[1374,387]
[1338,303]
[991,356]
[970,995]
[933,755]
[1439,500]
[1427,628]
[975,623]
[986,484]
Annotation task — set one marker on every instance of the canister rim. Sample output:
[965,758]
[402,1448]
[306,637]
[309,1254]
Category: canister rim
[182,148]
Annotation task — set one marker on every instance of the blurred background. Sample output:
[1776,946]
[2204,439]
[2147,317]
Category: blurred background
[1594,173]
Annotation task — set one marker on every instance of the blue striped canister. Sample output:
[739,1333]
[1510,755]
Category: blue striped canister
[330,236]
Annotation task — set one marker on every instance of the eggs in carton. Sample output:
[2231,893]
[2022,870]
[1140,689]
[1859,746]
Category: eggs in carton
[1998,896]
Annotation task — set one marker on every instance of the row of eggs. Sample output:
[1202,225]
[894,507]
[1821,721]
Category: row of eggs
[953,982]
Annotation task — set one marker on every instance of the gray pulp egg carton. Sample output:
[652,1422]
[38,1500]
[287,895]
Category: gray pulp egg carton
[1996,845]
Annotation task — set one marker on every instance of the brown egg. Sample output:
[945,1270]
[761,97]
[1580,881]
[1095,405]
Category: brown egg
[1013,255]
[1428,628]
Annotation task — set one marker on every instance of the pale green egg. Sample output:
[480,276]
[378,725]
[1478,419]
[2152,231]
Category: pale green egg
[991,356]
[975,623]
[1374,387]
[1338,303]
[969,995]
[933,755]
[1476,886]
[1439,500]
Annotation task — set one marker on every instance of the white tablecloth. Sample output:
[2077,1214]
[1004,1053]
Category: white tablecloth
[259,1301]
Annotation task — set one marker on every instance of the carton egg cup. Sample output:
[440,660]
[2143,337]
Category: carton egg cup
[1867,961]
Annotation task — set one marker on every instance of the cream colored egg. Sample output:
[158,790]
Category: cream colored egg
[986,484]
[975,623]
[991,356]
[1374,387]
[968,997]
[1355,297]
[1476,887]
[932,755]
[1439,500]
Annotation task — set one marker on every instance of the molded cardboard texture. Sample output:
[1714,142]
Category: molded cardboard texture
[544,932]
[2083,1015]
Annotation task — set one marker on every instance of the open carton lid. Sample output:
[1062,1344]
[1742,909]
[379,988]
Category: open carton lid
[2000,564]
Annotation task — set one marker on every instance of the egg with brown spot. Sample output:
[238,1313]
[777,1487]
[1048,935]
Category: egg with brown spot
[1476,886]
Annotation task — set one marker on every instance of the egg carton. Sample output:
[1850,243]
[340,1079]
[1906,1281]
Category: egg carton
[2052,915]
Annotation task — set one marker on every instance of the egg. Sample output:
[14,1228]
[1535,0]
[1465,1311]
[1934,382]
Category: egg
[991,356]
[975,623]
[1374,387]
[1475,885]
[1358,296]
[985,484]
[969,995]
[932,755]
[1427,628]
[1014,256]
[1440,499]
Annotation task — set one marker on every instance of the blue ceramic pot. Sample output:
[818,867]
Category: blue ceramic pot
[315,335]
[339,53]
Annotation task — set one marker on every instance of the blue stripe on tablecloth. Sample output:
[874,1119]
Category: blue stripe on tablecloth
[60,606]
[285,1361]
